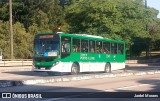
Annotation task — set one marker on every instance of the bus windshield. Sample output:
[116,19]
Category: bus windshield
[46,47]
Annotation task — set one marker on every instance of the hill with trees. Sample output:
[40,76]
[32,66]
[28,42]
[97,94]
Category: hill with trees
[128,20]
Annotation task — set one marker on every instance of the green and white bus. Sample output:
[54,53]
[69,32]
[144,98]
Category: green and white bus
[75,53]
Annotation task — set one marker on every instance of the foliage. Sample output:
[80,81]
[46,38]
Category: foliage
[118,19]
[22,41]
[154,30]
[127,20]
[4,36]
[29,18]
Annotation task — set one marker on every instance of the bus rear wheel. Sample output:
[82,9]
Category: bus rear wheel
[107,68]
[74,69]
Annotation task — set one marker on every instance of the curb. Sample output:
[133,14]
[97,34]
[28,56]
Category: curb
[8,83]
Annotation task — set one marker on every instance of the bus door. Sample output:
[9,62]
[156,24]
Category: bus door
[65,46]
[84,56]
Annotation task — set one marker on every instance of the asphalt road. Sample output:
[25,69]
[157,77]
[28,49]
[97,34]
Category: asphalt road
[89,90]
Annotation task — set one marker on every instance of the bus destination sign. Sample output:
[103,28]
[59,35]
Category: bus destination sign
[46,36]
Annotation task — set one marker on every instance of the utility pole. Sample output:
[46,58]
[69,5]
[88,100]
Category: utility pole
[10,28]
[145,3]
[147,41]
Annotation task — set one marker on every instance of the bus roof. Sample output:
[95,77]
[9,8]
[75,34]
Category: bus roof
[90,37]
[82,36]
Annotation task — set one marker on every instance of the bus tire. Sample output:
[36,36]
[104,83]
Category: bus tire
[107,68]
[74,69]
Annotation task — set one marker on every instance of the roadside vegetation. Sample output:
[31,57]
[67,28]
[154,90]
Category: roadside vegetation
[128,20]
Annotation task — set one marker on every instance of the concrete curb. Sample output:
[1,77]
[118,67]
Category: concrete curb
[7,83]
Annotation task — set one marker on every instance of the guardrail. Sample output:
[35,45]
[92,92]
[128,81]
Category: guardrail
[15,62]
[156,60]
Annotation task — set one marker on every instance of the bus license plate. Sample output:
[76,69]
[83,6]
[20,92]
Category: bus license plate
[43,68]
[52,54]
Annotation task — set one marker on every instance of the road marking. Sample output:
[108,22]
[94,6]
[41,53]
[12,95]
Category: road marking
[140,85]
[127,87]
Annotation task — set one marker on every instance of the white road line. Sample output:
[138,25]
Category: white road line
[127,87]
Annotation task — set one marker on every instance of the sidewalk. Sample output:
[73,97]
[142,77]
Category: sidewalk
[18,78]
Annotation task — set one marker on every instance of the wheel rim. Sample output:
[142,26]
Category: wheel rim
[107,69]
[74,70]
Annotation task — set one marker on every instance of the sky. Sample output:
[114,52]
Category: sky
[155,4]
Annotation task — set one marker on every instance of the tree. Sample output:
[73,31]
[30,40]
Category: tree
[127,20]
[4,36]
[22,40]
[154,31]
[27,11]
[118,19]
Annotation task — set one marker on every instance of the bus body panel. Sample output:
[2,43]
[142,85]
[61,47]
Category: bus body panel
[87,61]
[116,66]
[65,67]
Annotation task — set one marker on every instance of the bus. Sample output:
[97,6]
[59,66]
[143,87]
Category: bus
[76,53]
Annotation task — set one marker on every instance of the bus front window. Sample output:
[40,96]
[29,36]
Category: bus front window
[46,48]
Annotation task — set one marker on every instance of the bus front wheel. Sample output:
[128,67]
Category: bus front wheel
[107,68]
[74,69]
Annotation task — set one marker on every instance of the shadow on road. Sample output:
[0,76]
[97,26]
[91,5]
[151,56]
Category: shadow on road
[59,93]
[69,94]
[28,73]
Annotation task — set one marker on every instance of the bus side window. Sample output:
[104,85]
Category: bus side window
[76,45]
[77,49]
[84,45]
[92,46]
[120,48]
[74,49]
[65,46]
[92,50]
[106,47]
[113,48]
[98,47]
